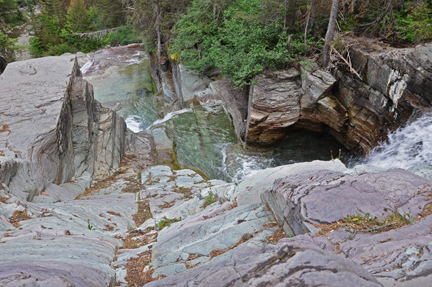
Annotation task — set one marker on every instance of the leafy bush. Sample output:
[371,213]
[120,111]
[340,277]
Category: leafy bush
[209,199]
[122,36]
[61,49]
[415,22]
[7,47]
[242,42]
[36,47]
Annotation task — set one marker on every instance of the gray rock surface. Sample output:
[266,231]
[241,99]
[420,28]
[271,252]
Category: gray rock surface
[53,143]
[249,190]
[317,197]
[291,262]
[57,131]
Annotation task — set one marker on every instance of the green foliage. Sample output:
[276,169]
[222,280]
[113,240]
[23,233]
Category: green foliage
[122,36]
[36,47]
[78,17]
[56,26]
[166,222]
[290,235]
[241,41]
[59,50]
[10,15]
[89,226]
[208,200]
[415,22]
[7,47]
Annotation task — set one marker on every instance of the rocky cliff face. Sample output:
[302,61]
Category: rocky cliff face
[358,112]
[52,128]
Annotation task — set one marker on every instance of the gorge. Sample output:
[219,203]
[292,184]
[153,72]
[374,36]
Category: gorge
[166,177]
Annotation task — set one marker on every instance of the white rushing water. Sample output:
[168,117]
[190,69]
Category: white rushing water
[132,122]
[86,66]
[169,116]
[406,147]
[239,165]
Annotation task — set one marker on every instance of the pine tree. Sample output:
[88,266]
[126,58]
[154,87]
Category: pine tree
[78,18]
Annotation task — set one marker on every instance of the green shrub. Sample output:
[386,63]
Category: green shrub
[208,200]
[36,47]
[242,42]
[61,49]
[122,36]
[416,25]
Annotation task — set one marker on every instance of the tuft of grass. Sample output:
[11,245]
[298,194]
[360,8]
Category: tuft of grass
[208,200]
[368,223]
[166,222]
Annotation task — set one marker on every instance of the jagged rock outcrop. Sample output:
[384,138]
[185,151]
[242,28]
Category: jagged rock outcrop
[299,201]
[57,131]
[357,112]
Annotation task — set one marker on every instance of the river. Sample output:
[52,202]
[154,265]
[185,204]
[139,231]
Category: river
[202,140]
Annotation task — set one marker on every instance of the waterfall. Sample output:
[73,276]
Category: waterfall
[406,147]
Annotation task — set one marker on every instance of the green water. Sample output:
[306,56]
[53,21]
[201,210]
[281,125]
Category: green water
[133,88]
[198,140]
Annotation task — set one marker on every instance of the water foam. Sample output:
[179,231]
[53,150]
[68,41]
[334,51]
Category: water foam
[406,147]
[133,124]
[245,165]
[168,117]
[86,66]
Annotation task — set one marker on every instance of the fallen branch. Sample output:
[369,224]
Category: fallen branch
[96,34]
[349,65]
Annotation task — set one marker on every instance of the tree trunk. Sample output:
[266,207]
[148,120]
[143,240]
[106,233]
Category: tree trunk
[330,33]
[308,20]
[158,28]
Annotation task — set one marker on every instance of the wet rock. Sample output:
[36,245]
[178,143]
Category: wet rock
[423,171]
[235,102]
[357,112]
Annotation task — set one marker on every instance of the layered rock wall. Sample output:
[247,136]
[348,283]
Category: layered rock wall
[358,110]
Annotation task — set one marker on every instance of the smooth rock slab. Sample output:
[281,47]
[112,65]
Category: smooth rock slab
[317,197]
[216,228]
[249,190]
[291,262]
[51,274]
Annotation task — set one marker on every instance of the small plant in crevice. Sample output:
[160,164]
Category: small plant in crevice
[89,226]
[339,157]
[166,222]
[208,200]
[368,223]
